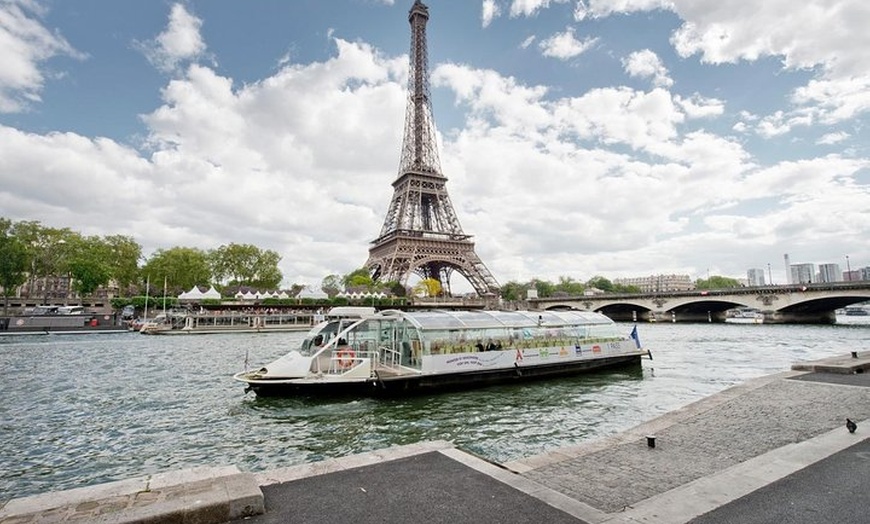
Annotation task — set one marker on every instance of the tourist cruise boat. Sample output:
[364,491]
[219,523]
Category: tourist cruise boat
[362,351]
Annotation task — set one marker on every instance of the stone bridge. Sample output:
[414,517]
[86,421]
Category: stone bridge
[794,303]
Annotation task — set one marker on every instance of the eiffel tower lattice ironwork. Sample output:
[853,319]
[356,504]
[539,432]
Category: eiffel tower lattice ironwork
[421,233]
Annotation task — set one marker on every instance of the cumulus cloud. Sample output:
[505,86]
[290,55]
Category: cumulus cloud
[698,106]
[179,43]
[25,45]
[530,7]
[833,138]
[489,11]
[646,64]
[799,35]
[603,8]
[564,46]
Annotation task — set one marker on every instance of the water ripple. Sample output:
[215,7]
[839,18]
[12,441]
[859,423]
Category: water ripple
[79,410]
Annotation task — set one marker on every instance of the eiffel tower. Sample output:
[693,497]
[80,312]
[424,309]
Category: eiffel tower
[421,233]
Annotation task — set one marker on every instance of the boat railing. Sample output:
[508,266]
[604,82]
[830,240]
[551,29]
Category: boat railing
[344,359]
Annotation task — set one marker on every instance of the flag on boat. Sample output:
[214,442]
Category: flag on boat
[633,335]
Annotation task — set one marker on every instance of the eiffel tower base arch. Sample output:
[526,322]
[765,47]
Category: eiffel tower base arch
[403,256]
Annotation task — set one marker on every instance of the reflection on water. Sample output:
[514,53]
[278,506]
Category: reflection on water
[79,410]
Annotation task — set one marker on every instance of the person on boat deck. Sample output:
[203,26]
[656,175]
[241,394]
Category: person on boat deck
[479,345]
[491,346]
[318,340]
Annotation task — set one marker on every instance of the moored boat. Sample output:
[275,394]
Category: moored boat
[857,311]
[210,322]
[51,319]
[401,351]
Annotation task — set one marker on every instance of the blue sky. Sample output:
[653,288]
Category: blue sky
[580,138]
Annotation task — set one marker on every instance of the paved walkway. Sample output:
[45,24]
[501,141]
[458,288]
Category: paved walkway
[774,449]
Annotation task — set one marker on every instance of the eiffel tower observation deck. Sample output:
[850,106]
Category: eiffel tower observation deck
[421,234]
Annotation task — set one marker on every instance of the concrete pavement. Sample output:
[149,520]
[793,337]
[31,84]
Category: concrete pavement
[774,449]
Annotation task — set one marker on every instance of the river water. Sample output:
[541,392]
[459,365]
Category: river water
[84,409]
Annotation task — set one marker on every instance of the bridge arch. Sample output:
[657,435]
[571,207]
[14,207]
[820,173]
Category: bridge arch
[811,303]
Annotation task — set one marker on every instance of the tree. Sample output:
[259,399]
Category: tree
[569,286]
[88,263]
[13,264]
[123,261]
[246,265]
[544,288]
[513,291]
[46,249]
[180,267]
[395,288]
[429,287]
[601,283]
[358,278]
[331,285]
[716,282]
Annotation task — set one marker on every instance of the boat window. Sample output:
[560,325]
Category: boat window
[318,336]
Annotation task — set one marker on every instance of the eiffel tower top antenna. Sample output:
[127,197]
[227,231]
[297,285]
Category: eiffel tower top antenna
[419,148]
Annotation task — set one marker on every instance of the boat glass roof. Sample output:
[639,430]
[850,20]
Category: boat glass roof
[442,319]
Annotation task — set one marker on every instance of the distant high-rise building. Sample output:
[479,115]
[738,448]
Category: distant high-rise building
[829,273]
[788,279]
[857,274]
[801,273]
[755,277]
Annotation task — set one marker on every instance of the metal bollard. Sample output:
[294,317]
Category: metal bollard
[854,354]
[651,441]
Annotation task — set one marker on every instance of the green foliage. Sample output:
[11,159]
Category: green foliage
[569,286]
[716,282]
[545,289]
[13,265]
[124,254]
[331,285]
[88,275]
[395,288]
[246,265]
[513,291]
[180,267]
[139,302]
[210,302]
[359,278]
[601,283]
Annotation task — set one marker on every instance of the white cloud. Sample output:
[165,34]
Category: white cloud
[489,11]
[835,100]
[833,138]
[646,64]
[527,42]
[828,39]
[180,42]
[530,7]
[602,8]
[564,46]
[698,106]
[25,45]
